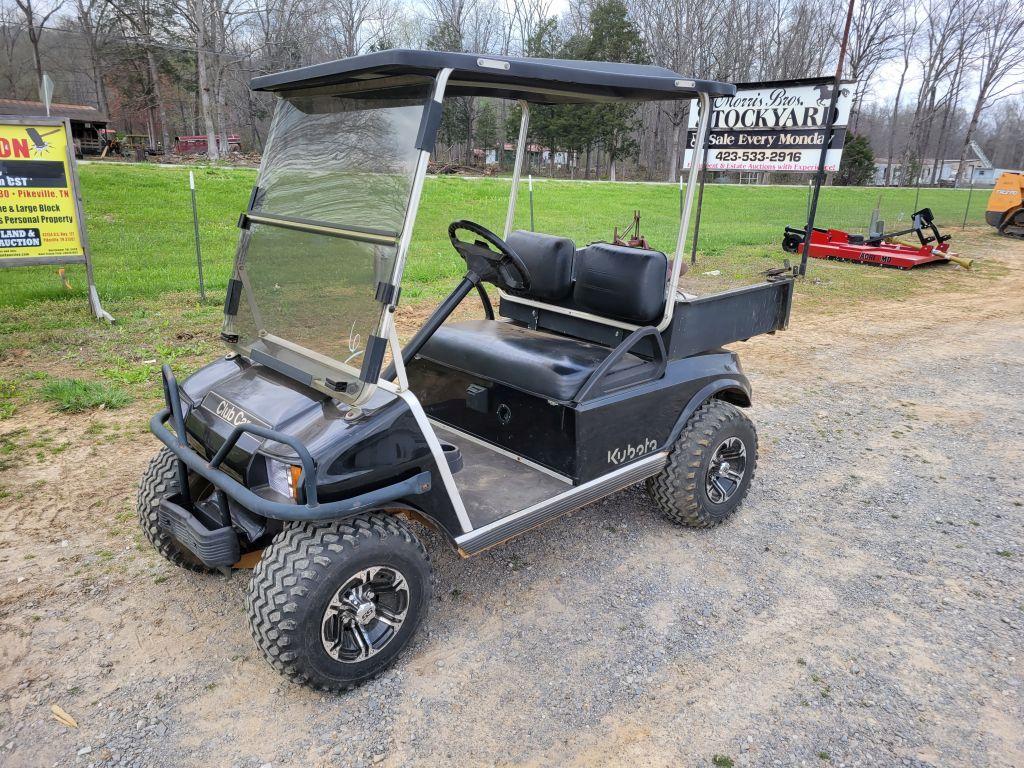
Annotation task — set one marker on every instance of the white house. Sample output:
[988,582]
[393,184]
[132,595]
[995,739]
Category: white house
[983,174]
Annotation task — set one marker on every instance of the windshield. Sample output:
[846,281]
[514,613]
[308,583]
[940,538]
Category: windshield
[323,231]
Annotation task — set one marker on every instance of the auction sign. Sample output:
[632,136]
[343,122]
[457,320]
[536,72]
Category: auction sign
[41,220]
[773,126]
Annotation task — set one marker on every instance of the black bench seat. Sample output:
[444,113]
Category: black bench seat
[544,364]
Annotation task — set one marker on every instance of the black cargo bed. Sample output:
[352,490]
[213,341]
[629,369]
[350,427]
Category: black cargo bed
[701,323]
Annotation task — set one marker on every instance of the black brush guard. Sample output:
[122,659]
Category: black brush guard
[312,509]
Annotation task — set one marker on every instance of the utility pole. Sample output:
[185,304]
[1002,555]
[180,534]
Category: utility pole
[827,139]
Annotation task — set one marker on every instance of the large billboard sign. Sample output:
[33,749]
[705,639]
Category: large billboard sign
[775,126]
[41,220]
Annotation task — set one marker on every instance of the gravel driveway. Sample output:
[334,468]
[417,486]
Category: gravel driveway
[865,607]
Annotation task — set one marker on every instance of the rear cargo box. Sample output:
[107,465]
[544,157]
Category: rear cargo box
[707,322]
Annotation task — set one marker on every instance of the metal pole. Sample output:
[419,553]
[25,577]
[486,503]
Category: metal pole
[700,190]
[684,220]
[917,189]
[826,140]
[531,204]
[681,195]
[970,192]
[195,230]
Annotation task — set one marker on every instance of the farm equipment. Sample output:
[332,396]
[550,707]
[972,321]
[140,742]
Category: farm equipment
[882,249]
[300,451]
[1005,209]
[632,231]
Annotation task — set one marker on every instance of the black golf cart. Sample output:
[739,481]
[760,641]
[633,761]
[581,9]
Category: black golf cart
[305,452]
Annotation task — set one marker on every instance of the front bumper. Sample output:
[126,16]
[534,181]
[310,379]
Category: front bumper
[312,509]
[217,548]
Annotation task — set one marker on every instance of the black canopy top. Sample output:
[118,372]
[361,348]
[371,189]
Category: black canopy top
[541,81]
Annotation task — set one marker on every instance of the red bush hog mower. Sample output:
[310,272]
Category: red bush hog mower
[881,250]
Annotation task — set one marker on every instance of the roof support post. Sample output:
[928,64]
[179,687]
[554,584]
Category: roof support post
[517,168]
[684,220]
[440,83]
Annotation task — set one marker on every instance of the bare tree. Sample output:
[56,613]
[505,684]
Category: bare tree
[140,21]
[196,14]
[36,15]
[1001,54]
[10,34]
[226,24]
[681,35]
[909,24]
[92,17]
[799,39]
[938,58]
[875,36]
[963,55]
[448,18]
[350,18]
[1000,133]
[525,18]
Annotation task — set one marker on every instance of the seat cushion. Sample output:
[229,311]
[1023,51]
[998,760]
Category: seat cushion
[549,260]
[621,282]
[544,364]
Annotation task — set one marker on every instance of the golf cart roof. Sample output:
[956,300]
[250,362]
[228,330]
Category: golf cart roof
[539,81]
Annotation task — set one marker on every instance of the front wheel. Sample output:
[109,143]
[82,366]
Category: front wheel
[709,468]
[333,604]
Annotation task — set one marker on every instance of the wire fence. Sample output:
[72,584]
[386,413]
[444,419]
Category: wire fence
[952,208]
[740,214]
[854,209]
[144,237]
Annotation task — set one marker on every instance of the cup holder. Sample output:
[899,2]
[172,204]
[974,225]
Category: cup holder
[454,456]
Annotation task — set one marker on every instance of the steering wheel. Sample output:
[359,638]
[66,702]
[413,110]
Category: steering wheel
[490,258]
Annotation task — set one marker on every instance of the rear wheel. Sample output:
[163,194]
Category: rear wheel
[709,468]
[333,604]
[159,480]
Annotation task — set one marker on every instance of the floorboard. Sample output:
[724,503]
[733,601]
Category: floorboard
[494,485]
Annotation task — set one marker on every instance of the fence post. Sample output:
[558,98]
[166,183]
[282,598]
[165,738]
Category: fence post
[530,184]
[195,230]
[970,193]
[700,191]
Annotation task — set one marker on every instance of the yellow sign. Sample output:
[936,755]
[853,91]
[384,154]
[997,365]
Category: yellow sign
[38,209]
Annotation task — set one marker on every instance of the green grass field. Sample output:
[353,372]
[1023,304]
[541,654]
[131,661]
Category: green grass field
[140,225]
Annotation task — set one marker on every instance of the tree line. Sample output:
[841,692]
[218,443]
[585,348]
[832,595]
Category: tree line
[952,71]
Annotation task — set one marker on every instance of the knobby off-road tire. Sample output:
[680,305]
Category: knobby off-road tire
[712,435]
[161,479]
[306,574]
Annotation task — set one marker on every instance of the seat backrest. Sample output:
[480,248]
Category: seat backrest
[549,260]
[621,282]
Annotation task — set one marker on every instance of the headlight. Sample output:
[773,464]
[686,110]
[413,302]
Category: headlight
[283,478]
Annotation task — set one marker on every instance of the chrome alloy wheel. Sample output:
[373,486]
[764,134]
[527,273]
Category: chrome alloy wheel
[365,614]
[725,472]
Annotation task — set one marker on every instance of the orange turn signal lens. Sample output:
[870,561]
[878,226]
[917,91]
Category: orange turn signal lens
[294,473]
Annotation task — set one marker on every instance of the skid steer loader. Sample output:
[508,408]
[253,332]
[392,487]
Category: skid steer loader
[1005,209]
